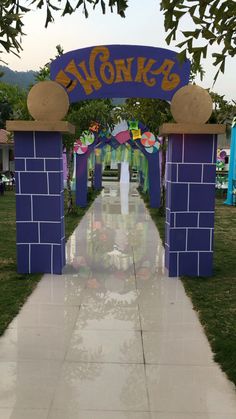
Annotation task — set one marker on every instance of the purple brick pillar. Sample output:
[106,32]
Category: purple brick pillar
[190,204]
[98,176]
[81,179]
[40,231]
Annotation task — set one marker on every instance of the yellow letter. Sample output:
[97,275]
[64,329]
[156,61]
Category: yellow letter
[142,71]
[165,69]
[123,70]
[109,77]
[65,81]
[89,82]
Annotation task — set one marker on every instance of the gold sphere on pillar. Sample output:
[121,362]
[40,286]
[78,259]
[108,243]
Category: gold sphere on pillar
[191,105]
[48,101]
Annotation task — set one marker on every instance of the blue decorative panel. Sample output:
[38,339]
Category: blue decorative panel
[40,231]
[190,204]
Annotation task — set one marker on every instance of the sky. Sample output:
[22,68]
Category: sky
[143,25]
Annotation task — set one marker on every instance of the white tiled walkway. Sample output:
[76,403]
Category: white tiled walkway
[112,338]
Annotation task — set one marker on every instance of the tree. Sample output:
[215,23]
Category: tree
[213,23]
[11,13]
[223,110]
[6,111]
[11,25]
[13,103]
[151,112]
[44,72]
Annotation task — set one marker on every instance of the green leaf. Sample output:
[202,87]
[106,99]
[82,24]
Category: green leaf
[68,9]
[181,44]
[121,7]
[202,8]
[40,4]
[85,11]
[79,4]
[170,37]
[178,14]
[208,34]
[103,6]
[197,20]
[214,7]
[6,45]
[204,51]
[195,34]
[49,17]
[182,56]
[192,9]
[190,43]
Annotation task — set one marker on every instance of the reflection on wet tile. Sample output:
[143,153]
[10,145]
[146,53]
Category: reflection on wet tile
[34,343]
[76,350]
[105,346]
[161,295]
[163,348]
[58,290]
[161,415]
[175,320]
[190,389]
[23,413]
[91,414]
[88,386]
[124,298]
[108,317]
[103,282]
[46,315]
[28,384]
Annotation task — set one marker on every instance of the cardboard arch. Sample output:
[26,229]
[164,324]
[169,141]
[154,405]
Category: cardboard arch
[113,71]
[99,143]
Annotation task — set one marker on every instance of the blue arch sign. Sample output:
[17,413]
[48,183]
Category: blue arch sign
[120,71]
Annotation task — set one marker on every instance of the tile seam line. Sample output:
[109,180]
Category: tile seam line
[107,410]
[50,407]
[208,366]
[71,332]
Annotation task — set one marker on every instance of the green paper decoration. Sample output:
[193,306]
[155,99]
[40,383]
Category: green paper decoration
[145,174]
[133,125]
[136,160]
[87,138]
[107,157]
[113,155]
[119,154]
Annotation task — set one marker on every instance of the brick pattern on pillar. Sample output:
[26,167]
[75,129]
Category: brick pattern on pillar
[39,202]
[190,203]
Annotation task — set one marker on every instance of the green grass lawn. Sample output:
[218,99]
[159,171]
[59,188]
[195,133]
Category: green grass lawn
[15,288]
[214,298]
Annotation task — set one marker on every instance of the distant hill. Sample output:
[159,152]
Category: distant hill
[22,79]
